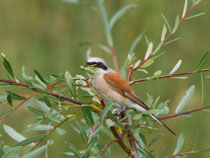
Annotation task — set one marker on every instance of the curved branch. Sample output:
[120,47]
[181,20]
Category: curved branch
[40,90]
[184,113]
[168,76]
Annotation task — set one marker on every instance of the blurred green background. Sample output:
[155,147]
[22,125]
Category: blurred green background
[46,35]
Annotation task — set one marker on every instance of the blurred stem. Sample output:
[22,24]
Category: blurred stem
[114,58]
[18,106]
[164,42]
[107,145]
[184,113]
[169,76]
[181,154]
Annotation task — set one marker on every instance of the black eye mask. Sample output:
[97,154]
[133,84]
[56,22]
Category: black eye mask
[97,64]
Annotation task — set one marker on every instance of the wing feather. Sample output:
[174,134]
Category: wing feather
[117,82]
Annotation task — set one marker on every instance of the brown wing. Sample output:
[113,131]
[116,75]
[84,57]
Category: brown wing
[117,82]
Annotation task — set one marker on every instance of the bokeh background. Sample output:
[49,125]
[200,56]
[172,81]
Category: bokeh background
[47,35]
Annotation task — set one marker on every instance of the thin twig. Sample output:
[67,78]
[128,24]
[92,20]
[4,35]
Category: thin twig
[51,131]
[44,91]
[114,58]
[107,145]
[180,154]
[18,106]
[184,113]
[131,70]
[168,76]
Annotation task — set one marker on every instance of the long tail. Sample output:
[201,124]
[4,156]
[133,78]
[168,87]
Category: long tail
[160,122]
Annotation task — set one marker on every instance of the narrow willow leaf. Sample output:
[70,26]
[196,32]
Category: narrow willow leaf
[42,127]
[153,111]
[32,126]
[29,140]
[194,16]
[104,48]
[176,25]
[137,64]
[183,78]
[15,96]
[157,73]
[179,144]
[105,21]
[70,83]
[158,48]
[13,152]
[173,40]
[82,132]
[5,84]
[149,51]
[176,67]
[166,21]
[13,134]
[35,152]
[185,99]
[73,149]
[163,32]
[201,64]
[203,150]
[36,111]
[185,8]
[9,100]
[197,2]
[40,77]
[119,14]
[7,65]
[147,40]
[87,115]
[109,123]
[148,63]
[106,110]
[88,54]
[155,139]
[46,100]
[123,69]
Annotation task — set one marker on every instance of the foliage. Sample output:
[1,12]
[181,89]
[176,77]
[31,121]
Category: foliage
[61,99]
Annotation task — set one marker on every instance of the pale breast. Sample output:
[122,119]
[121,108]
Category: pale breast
[106,92]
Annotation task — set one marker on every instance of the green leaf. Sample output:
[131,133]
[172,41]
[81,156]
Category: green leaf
[26,76]
[203,150]
[13,134]
[173,40]
[46,100]
[185,99]
[15,96]
[147,63]
[82,132]
[106,110]
[40,77]
[105,21]
[5,84]
[149,51]
[176,67]
[30,140]
[185,8]
[194,16]
[104,48]
[73,149]
[155,139]
[35,152]
[7,65]
[13,152]
[123,69]
[163,32]
[87,115]
[166,21]
[176,25]
[70,83]
[152,111]
[201,64]
[32,126]
[36,111]
[179,144]
[9,100]
[119,14]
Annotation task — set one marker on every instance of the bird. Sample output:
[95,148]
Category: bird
[111,86]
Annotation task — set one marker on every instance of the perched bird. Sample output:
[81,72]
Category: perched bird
[111,86]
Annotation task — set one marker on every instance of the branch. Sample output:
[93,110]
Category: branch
[184,113]
[168,76]
[180,154]
[114,58]
[18,106]
[44,91]
[107,145]
[51,131]
[131,70]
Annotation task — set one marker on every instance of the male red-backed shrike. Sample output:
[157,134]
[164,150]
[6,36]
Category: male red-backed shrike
[111,86]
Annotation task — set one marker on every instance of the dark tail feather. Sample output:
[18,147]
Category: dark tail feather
[160,122]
